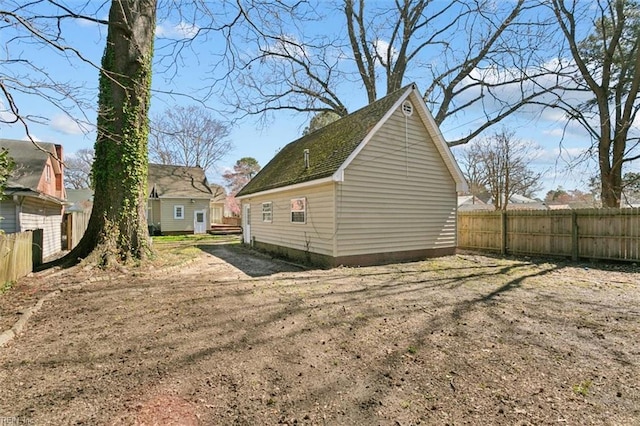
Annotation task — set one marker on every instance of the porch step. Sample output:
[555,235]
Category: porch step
[225,230]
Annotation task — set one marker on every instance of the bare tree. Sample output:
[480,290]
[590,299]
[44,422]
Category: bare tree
[40,23]
[188,136]
[602,96]
[243,171]
[319,121]
[77,173]
[502,164]
[471,56]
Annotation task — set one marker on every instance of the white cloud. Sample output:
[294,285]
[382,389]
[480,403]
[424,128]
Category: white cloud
[383,50]
[66,125]
[34,137]
[5,114]
[178,31]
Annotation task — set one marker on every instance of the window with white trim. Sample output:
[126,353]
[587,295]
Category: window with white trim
[299,210]
[267,212]
[178,212]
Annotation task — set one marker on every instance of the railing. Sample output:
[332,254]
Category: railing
[234,221]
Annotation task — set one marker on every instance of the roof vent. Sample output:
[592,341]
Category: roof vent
[306,159]
[407,108]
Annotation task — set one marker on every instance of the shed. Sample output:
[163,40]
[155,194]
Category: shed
[377,186]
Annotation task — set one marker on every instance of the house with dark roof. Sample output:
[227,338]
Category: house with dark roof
[379,185]
[35,194]
[181,200]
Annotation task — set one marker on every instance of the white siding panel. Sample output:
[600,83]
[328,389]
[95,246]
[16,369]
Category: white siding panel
[8,214]
[397,194]
[38,214]
[316,235]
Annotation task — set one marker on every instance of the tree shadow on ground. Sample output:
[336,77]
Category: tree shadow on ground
[252,263]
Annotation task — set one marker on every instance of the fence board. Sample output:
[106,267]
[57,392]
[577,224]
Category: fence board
[15,256]
[608,234]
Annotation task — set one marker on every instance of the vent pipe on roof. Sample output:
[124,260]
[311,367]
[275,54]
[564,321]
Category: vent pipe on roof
[306,159]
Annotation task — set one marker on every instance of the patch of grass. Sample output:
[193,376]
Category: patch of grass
[6,286]
[166,255]
[412,350]
[582,388]
[189,238]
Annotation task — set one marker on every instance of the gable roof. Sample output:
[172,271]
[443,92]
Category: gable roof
[334,146]
[169,181]
[30,162]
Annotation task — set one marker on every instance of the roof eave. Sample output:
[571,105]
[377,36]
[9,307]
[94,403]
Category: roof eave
[36,194]
[295,186]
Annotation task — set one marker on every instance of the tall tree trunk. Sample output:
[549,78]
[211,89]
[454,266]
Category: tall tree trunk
[611,171]
[117,230]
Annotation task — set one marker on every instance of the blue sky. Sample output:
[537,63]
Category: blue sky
[249,136]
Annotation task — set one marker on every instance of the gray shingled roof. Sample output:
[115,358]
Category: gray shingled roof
[168,181]
[30,162]
[329,147]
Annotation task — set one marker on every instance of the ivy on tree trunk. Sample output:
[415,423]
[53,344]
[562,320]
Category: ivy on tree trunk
[117,230]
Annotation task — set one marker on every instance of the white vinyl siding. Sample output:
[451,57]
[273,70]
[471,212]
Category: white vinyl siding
[316,235]
[397,194]
[47,216]
[8,216]
[167,221]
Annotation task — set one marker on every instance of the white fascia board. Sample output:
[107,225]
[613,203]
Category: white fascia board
[289,187]
[339,174]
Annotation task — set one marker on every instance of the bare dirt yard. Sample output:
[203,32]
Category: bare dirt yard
[236,338]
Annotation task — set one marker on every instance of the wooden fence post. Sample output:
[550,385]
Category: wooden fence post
[574,236]
[503,232]
[37,244]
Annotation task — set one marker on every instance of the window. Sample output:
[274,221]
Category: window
[178,212]
[299,210]
[47,173]
[267,212]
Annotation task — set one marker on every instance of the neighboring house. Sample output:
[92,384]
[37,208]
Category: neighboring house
[217,205]
[473,203]
[180,199]
[35,193]
[520,202]
[376,186]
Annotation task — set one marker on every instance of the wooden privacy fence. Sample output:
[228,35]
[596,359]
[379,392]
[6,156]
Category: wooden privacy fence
[15,256]
[77,223]
[609,234]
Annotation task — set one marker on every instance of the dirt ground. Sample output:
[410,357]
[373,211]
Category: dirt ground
[235,338]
